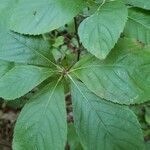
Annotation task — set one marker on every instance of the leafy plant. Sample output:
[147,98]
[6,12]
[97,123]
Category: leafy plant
[106,71]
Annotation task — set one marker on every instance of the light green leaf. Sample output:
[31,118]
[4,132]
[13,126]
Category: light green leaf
[138,25]
[102,125]
[124,77]
[42,123]
[139,3]
[37,17]
[99,32]
[20,79]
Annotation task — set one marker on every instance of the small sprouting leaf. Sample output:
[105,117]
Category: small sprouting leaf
[139,3]
[99,32]
[42,124]
[102,125]
[124,77]
[20,79]
[37,17]
[138,25]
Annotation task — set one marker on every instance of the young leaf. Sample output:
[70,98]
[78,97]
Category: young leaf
[99,32]
[42,123]
[102,125]
[139,3]
[124,77]
[138,25]
[20,79]
[37,17]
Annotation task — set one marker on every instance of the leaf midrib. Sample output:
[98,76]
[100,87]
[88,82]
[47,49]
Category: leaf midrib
[105,127]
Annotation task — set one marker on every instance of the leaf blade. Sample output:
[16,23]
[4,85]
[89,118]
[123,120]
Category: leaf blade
[43,16]
[100,124]
[138,25]
[20,79]
[47,127]
[99,32]
[23,49]
[118,78]
[145,4]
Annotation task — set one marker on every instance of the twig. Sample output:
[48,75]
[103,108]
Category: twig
[78,39]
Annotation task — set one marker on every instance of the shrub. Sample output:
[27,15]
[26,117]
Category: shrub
[106,71]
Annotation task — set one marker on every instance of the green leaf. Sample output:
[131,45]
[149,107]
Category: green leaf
[102,125]
[42,123]
[124,77]
[37,17]
[99,32]
[139,3]
[138,25]
[23,49]
[20,79]
[73,139]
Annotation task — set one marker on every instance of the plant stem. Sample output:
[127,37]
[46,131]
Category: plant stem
[78,39]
